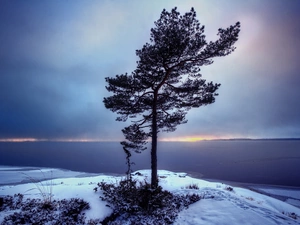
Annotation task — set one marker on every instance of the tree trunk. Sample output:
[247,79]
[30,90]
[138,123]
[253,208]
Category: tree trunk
[154,178]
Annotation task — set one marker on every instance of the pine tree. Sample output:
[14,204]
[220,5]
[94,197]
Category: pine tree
[167,82]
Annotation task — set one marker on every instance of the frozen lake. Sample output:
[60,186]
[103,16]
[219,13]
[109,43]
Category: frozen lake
[275,162]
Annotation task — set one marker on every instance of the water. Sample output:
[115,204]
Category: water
[259,162]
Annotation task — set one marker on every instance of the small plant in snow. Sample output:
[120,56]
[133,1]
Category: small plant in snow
[138,174]
[292,215]
[192,186]
[228,188]
[250,198]
[128,163]
[45,188]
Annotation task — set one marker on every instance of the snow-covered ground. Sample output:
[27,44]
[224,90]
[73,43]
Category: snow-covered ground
[221,203]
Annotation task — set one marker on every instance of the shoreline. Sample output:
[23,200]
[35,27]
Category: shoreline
[274,191]
[13,175]
[64,173]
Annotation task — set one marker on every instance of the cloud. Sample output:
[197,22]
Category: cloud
[55,55]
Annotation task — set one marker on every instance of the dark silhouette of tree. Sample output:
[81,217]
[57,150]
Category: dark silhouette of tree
[167,81]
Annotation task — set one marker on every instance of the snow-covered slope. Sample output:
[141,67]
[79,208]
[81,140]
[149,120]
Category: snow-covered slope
[221,203]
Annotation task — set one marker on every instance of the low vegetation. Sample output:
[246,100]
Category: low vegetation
[44,188]
[228,188]
[292,215]
[133,201]
[192,186]
[35,211]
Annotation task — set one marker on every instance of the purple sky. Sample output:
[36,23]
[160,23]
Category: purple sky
[54,56]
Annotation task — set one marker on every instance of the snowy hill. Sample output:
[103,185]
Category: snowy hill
[220,203]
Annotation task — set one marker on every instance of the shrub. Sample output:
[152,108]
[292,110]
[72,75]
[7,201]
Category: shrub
[292,215]
[228,188]
[72,208]
[192,186]
[33,211]
[135,201]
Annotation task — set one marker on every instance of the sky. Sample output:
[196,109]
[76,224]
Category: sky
[54,56]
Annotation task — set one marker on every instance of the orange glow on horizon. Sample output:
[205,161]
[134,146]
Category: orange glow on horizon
[19,140]
[194,138]
[189,138]
[53,140]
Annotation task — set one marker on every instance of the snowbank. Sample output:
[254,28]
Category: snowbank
[221,203]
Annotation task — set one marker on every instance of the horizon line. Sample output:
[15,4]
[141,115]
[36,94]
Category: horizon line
[20,140]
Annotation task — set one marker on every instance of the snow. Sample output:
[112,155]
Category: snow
[291,196]
[221,203]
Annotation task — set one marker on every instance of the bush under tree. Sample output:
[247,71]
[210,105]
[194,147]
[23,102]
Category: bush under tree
[133,201]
